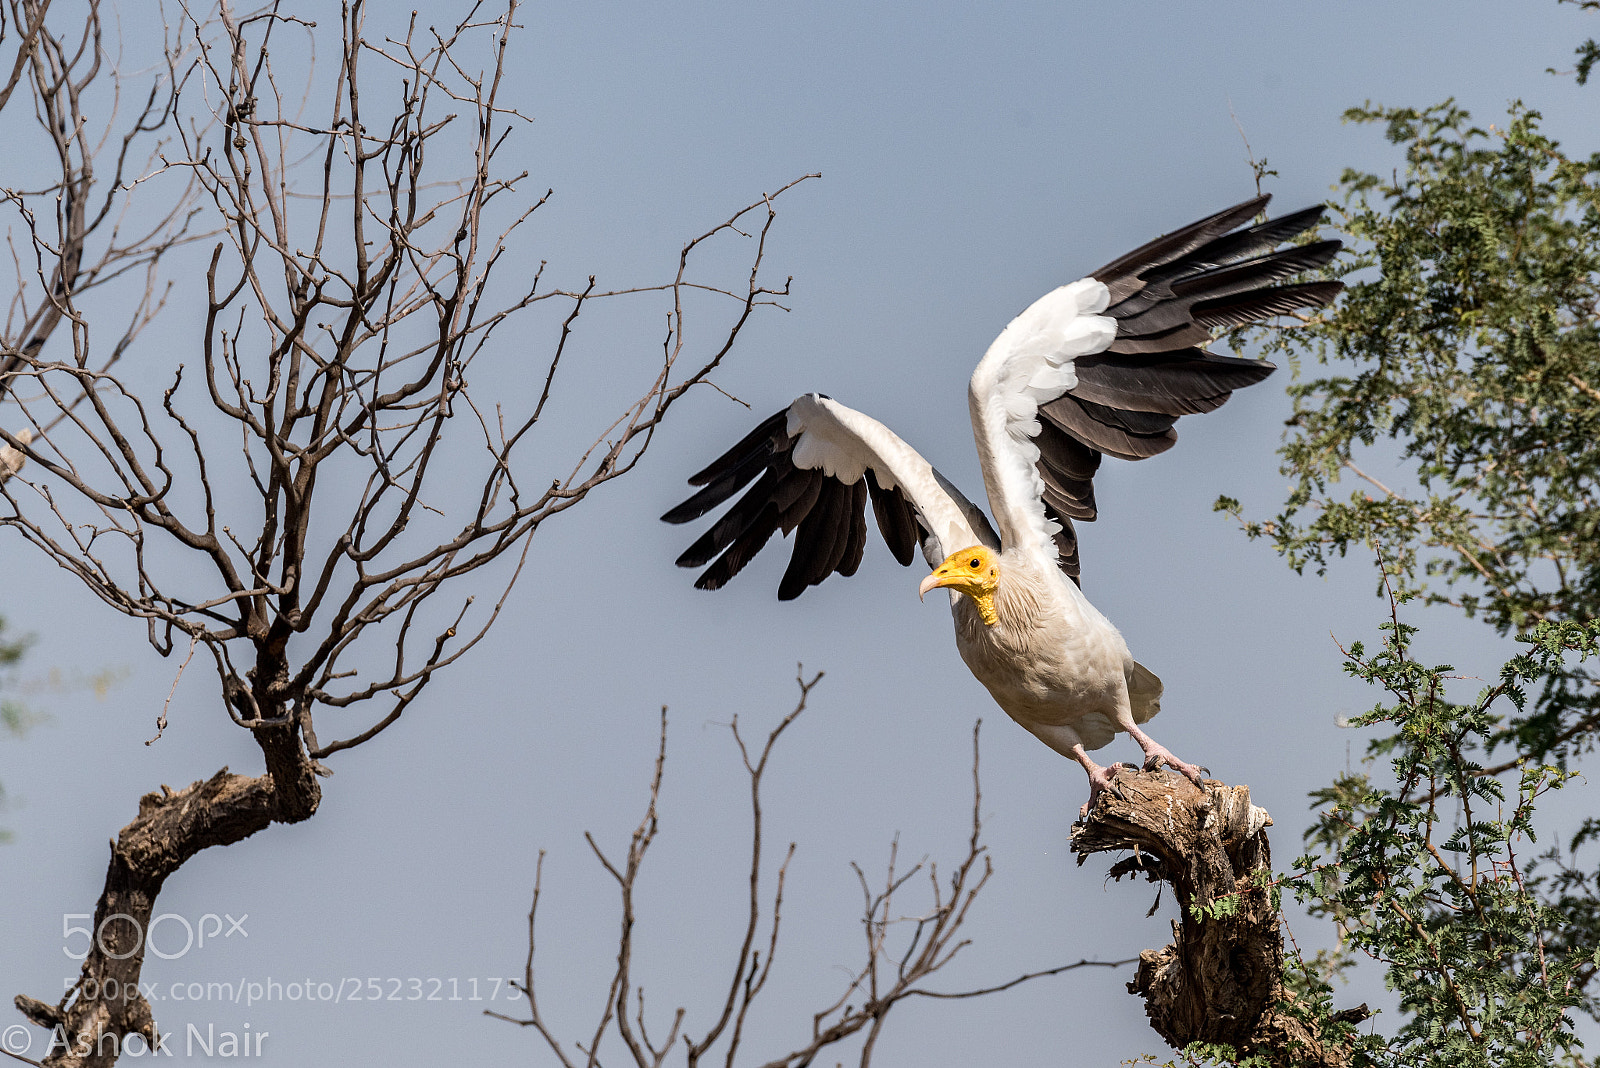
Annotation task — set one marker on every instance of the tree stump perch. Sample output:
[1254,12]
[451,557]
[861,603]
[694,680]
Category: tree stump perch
[1221,978]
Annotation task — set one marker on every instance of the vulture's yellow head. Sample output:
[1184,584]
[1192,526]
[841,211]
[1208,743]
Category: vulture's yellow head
[974,571]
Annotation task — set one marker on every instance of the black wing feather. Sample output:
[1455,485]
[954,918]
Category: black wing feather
[1161,306]
[814,542]
[1187,382]
[1066,540]
[827,517]
[1239,245]
[1067,467]
[732,524]
[722,486]
[897,520]
[1123,274]
[743,549]
[797,496]
[1169,298]
[1187,335]
[835,506]
[1131,420]
[1067,413]
[856,544]
[1263,304]
[770,436]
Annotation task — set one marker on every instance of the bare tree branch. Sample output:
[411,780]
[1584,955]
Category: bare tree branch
[293,497]
[902,951]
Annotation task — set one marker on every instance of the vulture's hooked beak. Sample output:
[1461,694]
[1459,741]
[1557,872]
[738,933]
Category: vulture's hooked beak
[974,572]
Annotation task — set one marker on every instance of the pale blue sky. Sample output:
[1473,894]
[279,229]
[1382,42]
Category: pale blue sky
[972,158]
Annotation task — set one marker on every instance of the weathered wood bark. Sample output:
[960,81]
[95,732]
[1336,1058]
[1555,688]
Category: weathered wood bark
[91,1024]
[1220,980]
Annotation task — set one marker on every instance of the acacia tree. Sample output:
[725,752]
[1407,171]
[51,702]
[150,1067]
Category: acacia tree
[1465,351]
[275,500]
[1458,387]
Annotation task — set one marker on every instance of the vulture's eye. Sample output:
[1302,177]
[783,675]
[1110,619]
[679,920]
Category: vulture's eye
[976,563]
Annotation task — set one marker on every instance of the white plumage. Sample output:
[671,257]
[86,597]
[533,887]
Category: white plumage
[1104,365]
[11,460]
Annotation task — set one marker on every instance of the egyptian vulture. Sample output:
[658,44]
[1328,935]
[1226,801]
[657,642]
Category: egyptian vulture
[1105,365]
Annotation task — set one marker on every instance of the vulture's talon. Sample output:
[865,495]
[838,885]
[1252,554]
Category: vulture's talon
[1158,756]
[1102,780]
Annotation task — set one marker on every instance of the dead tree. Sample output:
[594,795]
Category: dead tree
[901,951]
[70,184]
[319,494]
[1220,980]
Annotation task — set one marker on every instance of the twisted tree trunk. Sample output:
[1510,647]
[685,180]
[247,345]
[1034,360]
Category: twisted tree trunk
[1221,979]
[90,1026]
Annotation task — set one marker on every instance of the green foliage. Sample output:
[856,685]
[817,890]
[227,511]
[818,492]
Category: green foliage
[1461,390]
[1426,871]
[1230,904]
[1219,1053]
[14,717]
[11,650]
[1446,416]
[1588,52]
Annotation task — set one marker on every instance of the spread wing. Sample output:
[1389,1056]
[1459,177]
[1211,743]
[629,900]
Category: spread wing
[814,466]
[1107,364]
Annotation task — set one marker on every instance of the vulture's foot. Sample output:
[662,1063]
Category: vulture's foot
[1158,755]
[1102,780]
